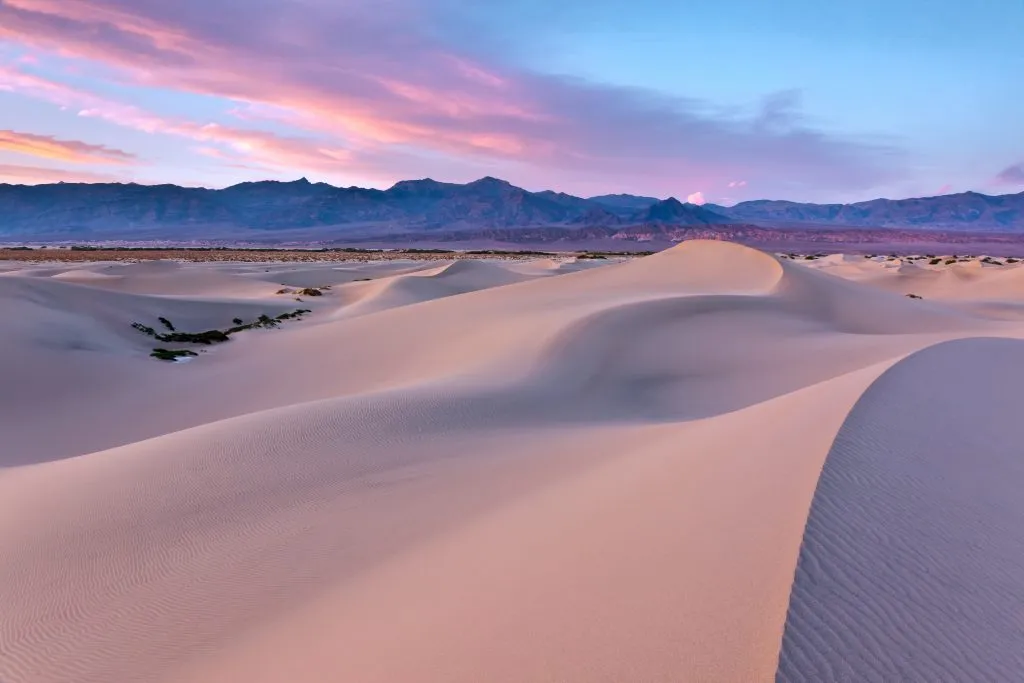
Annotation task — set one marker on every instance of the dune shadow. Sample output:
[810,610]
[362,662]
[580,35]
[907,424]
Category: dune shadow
[912,562]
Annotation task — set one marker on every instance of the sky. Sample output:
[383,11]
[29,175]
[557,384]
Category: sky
[718,100]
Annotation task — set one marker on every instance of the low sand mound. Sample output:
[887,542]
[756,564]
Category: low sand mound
[460,277]
[955,282]
[170,278]
[913,557]
[86,276]
[853,308]
[318,275]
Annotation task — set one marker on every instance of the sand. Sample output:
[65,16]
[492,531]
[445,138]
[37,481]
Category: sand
[705,465]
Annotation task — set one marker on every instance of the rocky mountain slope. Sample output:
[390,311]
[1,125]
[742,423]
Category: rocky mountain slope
[270,210]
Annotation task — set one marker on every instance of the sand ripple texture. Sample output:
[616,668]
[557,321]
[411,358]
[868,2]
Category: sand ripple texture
[912,566]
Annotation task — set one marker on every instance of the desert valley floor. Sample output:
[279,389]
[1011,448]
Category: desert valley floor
[711,464]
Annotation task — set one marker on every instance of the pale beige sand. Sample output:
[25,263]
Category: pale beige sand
[474,472]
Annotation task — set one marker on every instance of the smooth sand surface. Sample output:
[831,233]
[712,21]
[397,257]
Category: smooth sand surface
[490,471]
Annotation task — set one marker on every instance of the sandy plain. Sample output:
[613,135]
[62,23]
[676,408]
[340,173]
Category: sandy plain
[709,464]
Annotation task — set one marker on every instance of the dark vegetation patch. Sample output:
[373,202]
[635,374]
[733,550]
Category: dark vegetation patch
[310,291]
[172,354]
[500,252]
[209,337]
[914,296]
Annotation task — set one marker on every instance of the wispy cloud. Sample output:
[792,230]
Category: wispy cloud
[1011,175]
[696,198]
[379,92]
[264,147]
[34,175]
[73,151]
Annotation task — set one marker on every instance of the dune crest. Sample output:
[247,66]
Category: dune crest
[912,559]
[492,471]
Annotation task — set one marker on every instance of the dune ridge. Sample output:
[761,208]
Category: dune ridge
[912,558]
[463,472]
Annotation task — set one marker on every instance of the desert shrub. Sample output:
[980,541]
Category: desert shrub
[205,338]
[237,321]
[148,331]
[284,291]
[172,354]
[914,296]
[935,261]
[166,323]
[298,313]
[950,261]
[310,291]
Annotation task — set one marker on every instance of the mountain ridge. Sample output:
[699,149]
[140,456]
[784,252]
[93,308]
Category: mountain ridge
[278,209]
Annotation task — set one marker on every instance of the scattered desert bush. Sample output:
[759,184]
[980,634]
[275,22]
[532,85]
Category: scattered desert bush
[935,261]
[205,338]
[310,291]
[144,329]
[914,296]
[166,323]
[172,354]
[210,337]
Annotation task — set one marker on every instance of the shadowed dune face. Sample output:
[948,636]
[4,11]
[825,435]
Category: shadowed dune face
[485,471]
[405,289]
[913,558]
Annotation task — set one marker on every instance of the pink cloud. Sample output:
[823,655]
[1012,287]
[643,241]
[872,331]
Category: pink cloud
[74,151]
[696,198]
[263,147]
[1011,175]
[944,189]
[380,93]
[35,175]
[737,183]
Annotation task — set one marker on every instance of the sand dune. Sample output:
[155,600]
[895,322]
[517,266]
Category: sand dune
[452,279]
[913,555]
[507,472]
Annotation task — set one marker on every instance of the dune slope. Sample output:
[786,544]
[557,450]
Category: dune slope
[486,472]
[913,557]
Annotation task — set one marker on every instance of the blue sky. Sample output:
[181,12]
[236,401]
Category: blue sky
[722,101]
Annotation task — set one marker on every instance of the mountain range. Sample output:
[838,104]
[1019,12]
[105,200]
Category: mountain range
[424,209]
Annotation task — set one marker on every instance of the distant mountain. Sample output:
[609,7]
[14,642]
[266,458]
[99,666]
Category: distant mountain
[624,204]
[302,211]
[969,211]
[673,212]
